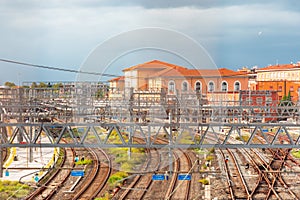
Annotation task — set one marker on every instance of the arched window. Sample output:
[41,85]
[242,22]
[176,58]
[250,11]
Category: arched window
[224,86]
[184,86]
[198,87]
[211,86]
[171,87]
[237,86]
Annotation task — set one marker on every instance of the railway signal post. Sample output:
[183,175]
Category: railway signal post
[1,162]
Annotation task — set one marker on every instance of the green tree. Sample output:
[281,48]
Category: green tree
[286,107]
[57,85]
[43,85]
[9,84]
[102,92]
[34,85]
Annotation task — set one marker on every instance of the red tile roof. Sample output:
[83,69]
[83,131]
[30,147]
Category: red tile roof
[120,78]
[281,67]
[197,72]
[170,70]
[154,64]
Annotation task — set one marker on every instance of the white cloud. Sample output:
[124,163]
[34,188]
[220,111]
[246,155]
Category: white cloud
[64,32]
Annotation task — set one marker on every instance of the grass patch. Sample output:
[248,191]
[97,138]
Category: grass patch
[296,153]
[84,162]
[185,138]
[13,190]
[114,137]
[116,178]
[245,138]
[209,158]
[128,163]
[201,151]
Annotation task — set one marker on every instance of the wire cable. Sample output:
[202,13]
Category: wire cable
[57,68]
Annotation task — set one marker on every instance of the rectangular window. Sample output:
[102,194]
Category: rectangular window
[248,100]
[292,88]
[269,100]
[259,100]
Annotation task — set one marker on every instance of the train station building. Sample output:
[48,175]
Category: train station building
[213,84]
[283,79]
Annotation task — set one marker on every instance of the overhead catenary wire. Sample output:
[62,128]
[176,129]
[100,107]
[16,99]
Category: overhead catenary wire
[62,69]
[57,68]
[79,71]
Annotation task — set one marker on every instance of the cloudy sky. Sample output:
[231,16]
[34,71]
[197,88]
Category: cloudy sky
[64,34]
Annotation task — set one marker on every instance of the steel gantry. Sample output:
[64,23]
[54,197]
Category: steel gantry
[86,116]
[152,135]
[82,115]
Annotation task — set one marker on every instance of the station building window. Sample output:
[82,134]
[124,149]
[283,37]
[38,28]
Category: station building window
[224,86]
[184,86]
[259,100]
[171,87]
[237,86]
[198,87]
[211,86]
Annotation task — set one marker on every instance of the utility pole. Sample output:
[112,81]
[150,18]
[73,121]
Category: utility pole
[1,149]
[285,88]
[1,155]
[170,143]
[131,99]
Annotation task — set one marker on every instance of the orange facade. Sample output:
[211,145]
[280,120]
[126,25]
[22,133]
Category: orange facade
[283,88]
[284,79]
[176,79]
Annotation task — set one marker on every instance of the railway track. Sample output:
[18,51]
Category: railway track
[4,154]
[55,181]
[143,187]
[97,178]
[270,184]
[182,163]
[141,183]
[237,185]
[270,172]
[180,189]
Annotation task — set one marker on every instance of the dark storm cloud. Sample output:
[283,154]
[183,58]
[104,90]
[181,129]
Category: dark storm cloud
[147,4]
[284,4]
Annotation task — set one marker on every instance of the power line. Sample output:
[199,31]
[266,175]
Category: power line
[58,68]
[63,69]
[84,72]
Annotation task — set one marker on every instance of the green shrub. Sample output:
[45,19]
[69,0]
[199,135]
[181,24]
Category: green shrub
[84,162]
[116,177]
[296,154]
[245,138]
[209,158]
[212,150]
[204,181]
